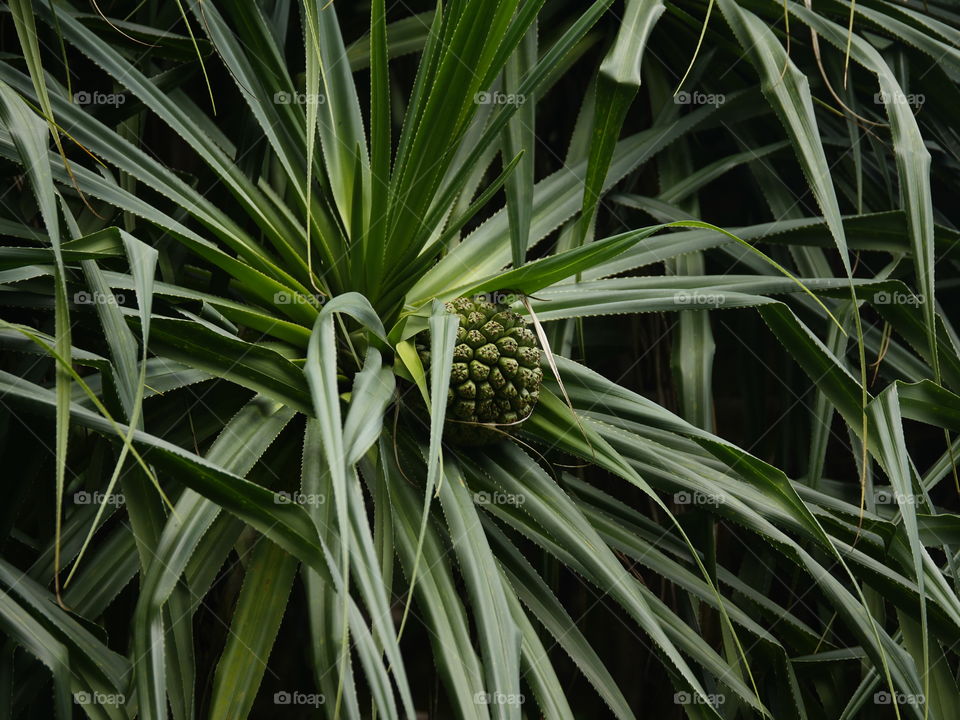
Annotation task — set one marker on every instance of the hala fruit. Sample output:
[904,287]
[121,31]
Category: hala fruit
[496,375]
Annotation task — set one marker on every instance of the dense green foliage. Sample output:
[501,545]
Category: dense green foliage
[228,231]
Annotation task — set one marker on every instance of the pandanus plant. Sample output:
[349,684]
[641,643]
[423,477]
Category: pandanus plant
[317,325]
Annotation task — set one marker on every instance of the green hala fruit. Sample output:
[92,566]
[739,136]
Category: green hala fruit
[496,372]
